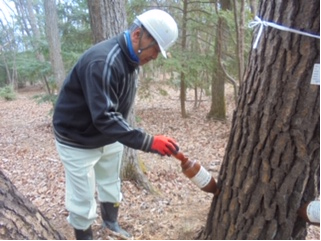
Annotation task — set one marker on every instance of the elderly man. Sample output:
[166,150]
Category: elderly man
[90,119]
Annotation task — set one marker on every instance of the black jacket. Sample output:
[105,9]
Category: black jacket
[96,98]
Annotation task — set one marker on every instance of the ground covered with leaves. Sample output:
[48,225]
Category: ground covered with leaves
[178,210]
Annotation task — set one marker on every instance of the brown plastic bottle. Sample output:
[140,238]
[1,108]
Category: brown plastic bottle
[198,174]
[310,212]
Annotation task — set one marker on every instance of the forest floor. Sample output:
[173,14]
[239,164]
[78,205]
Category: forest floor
[179,210]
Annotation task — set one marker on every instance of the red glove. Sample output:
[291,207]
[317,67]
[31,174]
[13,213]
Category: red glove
[164,146]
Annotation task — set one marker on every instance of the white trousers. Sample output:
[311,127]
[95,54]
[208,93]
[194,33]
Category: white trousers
[84,168]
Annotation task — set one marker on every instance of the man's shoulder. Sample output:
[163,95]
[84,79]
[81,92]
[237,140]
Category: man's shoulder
[101,51]
[104,46]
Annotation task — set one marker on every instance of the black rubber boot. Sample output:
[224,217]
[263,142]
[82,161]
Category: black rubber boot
[84,234]
[109,214]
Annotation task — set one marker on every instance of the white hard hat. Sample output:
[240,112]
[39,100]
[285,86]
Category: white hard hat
[161,26]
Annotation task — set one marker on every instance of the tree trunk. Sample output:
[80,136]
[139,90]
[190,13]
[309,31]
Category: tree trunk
[19,218]
[36,39]
[107,18]
[10,74]
[8,50]
[52,33]
[272,161]
[239,25]
[182,84]
[218,110]
[132,167]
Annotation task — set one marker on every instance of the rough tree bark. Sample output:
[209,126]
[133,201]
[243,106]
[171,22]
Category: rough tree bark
[272,160]
[107,18]
[19,218]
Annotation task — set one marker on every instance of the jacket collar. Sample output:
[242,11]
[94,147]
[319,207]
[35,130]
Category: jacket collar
[121,39]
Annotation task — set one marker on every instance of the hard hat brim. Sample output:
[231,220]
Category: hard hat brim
[163,51]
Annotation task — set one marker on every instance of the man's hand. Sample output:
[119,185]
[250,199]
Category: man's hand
[164,146]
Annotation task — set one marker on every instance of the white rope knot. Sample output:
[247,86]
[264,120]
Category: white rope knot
[257,21]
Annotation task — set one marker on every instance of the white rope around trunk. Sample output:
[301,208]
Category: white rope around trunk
[258,22]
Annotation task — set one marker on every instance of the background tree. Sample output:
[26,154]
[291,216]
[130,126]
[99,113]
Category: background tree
[218,106]
[8,49]
[25,49]
[239,18]
[107,18]
[53,38]
[35,37]
[272,161]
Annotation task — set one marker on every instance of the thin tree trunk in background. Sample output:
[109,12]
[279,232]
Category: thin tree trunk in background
[8,40]
[22,13]
[132,166]
[182,84]
[52,33]
[37,37]
[218,105]
[239,25]
[272,160]
[35,30]
[11,75]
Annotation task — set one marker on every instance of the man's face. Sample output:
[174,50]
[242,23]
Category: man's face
[150,52]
